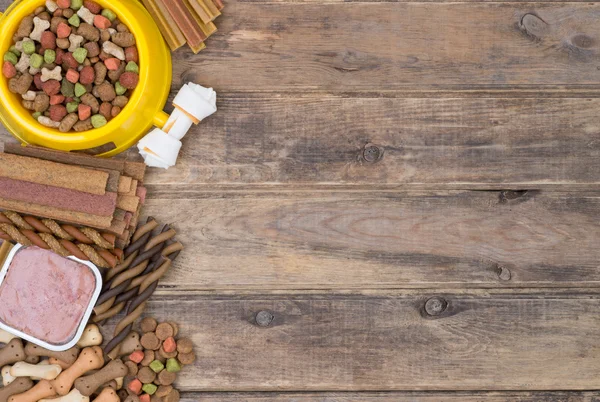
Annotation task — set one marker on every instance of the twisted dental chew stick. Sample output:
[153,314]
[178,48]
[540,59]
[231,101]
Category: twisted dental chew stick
[53,174]
[166,24]
[192,32]
[208,27]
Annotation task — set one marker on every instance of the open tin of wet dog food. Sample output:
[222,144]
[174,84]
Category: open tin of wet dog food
[45,298]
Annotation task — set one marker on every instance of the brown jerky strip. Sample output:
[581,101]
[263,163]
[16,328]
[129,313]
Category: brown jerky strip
[117,227]
[78,218]
[135,170]
[113,181]
[128,203]
[102,205]
[68,158]
[120,214]
[192,32]
[124,184]
[53,174]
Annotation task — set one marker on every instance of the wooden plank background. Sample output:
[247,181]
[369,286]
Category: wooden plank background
[368,156]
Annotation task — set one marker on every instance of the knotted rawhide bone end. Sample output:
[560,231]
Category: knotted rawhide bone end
[68,356]
[90,358]
[107,395]
[16,387]
[73,396]
[91,337]
[41,371]
[41,390]
[89,384]
[13,352]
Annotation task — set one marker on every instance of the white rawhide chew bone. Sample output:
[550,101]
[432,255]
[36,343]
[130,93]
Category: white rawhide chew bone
[6,336]
[193,103]
[73,396]
[7,378]
[41,371]
[91,337]
[40,26]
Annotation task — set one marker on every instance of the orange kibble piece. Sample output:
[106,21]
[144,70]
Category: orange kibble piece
[112,64]
[73,76]
[57,99]
[169,345]
[85,111]
[63,31]
[137,356]
[135,386]
[101,22]
[145,398]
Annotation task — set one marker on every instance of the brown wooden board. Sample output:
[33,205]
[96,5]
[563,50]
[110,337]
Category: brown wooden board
[354,240]
[386,341]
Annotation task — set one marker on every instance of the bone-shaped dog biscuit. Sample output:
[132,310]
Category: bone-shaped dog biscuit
[13,352]
[91,337]
[40,363]
[18,386]
[6,377]
[63,365]
[89,384]
[73,396]
[6,336]
[90,358]
[41,390]
[68,356]
[41,371]
[127,347]
[107,395]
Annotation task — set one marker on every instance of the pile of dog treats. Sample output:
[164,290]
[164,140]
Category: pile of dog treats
[185,21]
[74,64]
[71,203]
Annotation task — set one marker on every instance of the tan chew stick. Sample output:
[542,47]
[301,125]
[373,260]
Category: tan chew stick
[53,174]
[212,8]
[166,24]
[207,28]
[186,22]
[219,4]
[201,10]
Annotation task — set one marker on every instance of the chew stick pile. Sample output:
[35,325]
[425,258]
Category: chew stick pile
[75,189]
[185,21]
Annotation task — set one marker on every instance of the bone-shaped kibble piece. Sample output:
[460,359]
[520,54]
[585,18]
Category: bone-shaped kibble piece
[73,396]
[51,6]
[107,395]
[86,15]
[54,74]
[29,96]
[23,64]
[68,356]
[39,26]
[76,41]
[113,50]
[18,386]
[89,384]
[13,352]
[91,337]
[89,359]
[41,390]
[6,336]
[6,377]
[41,371]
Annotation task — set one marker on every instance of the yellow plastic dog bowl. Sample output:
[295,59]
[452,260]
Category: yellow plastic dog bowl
[143,111]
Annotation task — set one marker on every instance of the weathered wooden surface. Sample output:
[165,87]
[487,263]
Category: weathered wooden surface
[282,210]
[386,341]
[347,240]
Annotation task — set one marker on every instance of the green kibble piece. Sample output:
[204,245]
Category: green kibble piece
[120,89]
[157,366]
[79,90]
[98,121]
[28,47]
[132,67]
[109,14]
[72,107]
[173,366]
[11,58]
[67,88]
[13,49]
[150,389]
[36,115]
[36,61]
[49,56]
[75,20]
[76,4]
[80,54]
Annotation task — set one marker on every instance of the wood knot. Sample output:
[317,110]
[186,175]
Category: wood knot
[503,272]
[435,306]
[583,41]
[533,26]
[264,318]
[371,153]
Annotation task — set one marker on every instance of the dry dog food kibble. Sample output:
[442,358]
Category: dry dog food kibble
[74,64]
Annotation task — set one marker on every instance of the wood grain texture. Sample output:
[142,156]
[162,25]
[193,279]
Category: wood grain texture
[398,46]
[385,341]
[345,240]
[394,397]
[424,143]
